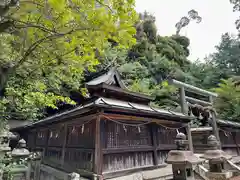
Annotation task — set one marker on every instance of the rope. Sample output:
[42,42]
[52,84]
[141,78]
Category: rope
[229,131]
[141,124]
[172,128]
[126,124]
[78,125]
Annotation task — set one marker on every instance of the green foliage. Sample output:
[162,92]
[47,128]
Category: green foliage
[51,44]
[165,95]
[228,102]
[153,60]
[227,56]
[223,64]
[203,75]
[47,48]
[236,8]
[226,65]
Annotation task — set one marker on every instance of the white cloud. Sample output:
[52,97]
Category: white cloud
[217,18]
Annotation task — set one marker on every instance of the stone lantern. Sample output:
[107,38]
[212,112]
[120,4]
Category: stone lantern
[20,161]
[216,159]
[5,137]
[20,153]
[182,160]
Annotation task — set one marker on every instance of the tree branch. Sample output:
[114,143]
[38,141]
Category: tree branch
[69,52]
[30,24]
[32,2]
[32,47]
[101,3]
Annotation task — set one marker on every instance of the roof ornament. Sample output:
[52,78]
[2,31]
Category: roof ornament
[181,141]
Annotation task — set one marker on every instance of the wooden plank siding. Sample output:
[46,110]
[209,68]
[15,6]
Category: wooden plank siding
[129,146]
[230,142]
[229,137]
[103,146]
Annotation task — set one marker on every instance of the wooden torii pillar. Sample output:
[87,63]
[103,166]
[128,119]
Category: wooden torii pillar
[183,87]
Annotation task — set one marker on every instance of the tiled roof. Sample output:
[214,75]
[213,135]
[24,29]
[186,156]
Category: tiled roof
[228,123]
[111,76]
[106,102]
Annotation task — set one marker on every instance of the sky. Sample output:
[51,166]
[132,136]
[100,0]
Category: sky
[217,18]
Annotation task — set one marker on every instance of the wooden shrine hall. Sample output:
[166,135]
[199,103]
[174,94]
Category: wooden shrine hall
[114,132]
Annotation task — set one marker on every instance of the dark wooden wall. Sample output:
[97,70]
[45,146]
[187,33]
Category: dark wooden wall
[131,146]
[230,141]
[118,146]
[69,144]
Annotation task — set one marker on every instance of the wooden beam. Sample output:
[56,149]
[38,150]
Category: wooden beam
[215,127]
[164,147]
[139,119]
[234,135]
[46,142]
[189,135]
[210,98]
[185,111]
[192,88]
[154,141]
[76,120]
[201,129]
[127,150]
[98,156]
[197,101]
[183,101]
[64,144]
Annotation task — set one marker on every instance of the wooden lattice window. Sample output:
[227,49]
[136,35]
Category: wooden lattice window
[166,136]
[41,137]
[81,135]
[31,139]
[238,137]
[226,138]
[120,136]
[56,136]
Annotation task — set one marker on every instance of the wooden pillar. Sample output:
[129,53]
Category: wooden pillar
[185,111]
[98,156]
[183,101]
[188,129]
[64,144]
[215,127]
[154,140]
[214,122]
[210,98]
[46,142]
[234,135]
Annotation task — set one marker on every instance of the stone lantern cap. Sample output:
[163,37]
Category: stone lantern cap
[21,150]
[181,155]
[215,154]
[5,137]
[5,133]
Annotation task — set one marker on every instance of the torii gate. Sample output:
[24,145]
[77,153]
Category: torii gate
[185,100]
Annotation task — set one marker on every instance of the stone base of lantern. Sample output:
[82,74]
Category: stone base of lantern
[219,176]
